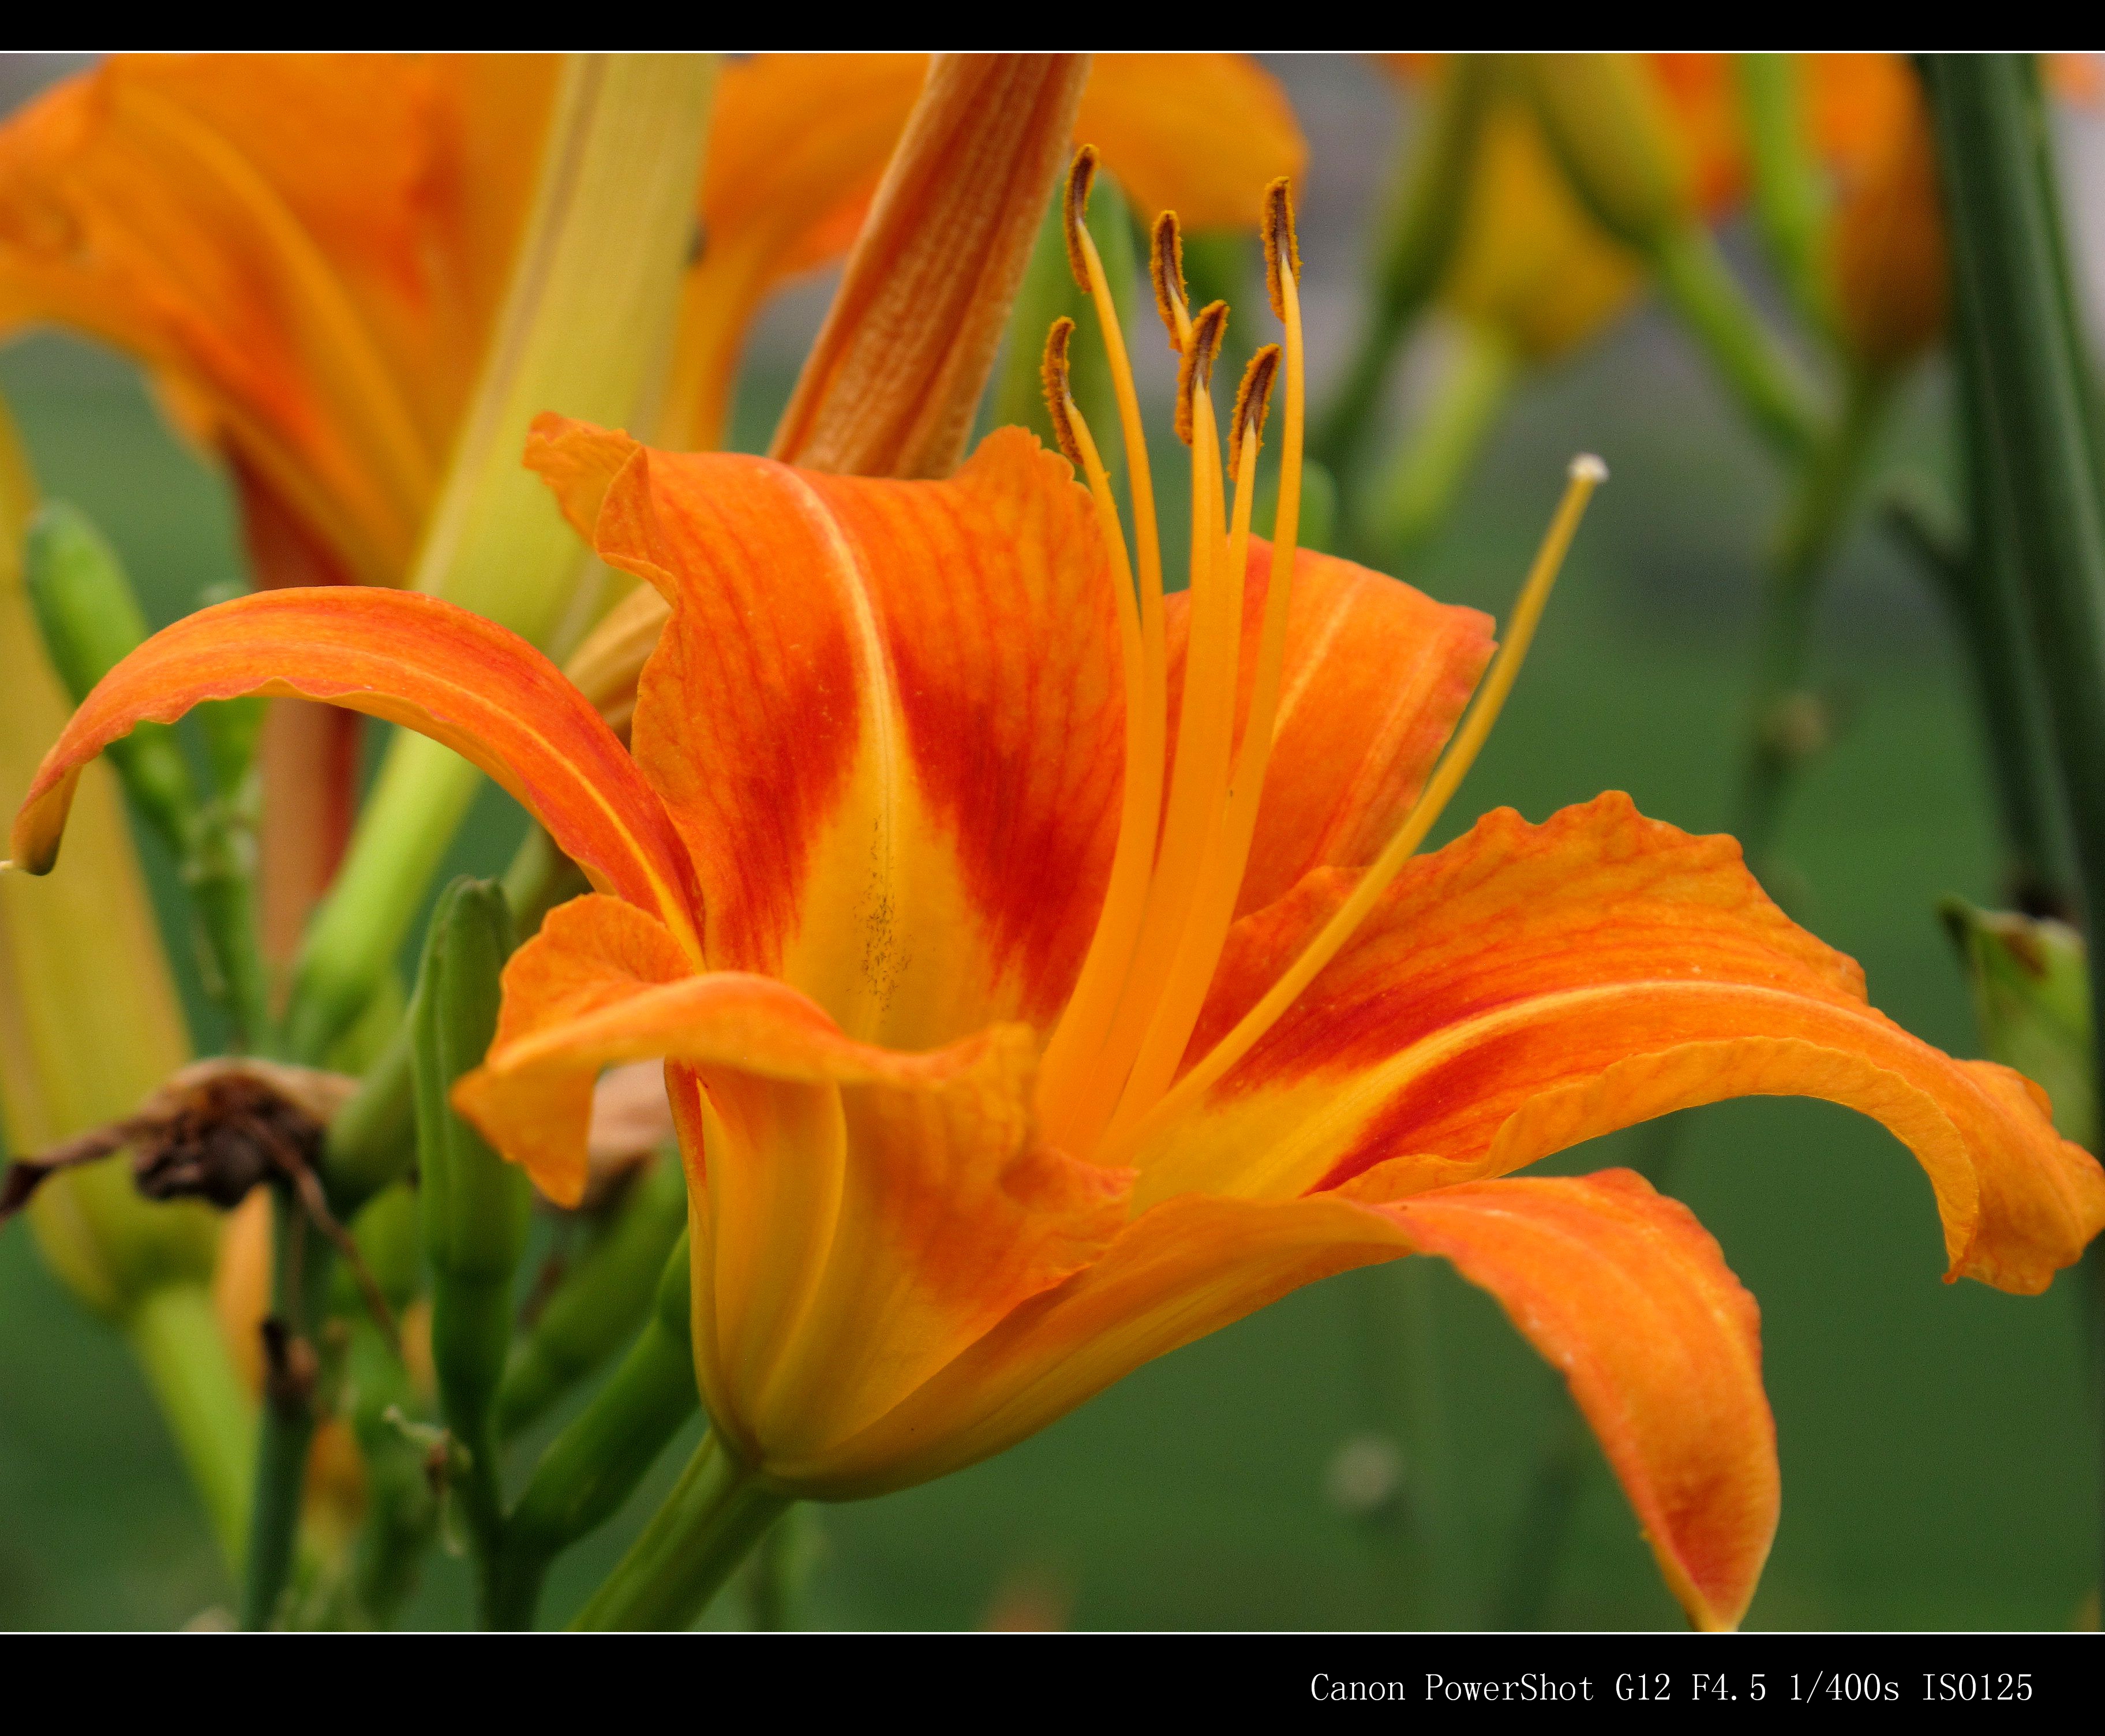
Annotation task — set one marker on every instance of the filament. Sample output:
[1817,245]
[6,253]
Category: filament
[1587,473]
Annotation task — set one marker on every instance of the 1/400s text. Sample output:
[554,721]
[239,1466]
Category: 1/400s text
[1538,1687]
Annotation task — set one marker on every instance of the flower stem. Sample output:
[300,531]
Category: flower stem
[593,1466]
[298,1289]
[1705,298]
[1789,201]
[1785,731]
[710,1522]
[1425,217]
[175,1333]
[1412,503]
[2017,315]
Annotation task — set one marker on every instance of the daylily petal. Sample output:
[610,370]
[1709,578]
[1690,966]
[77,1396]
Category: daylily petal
[306,249]
[1619,1288]
[888,718]
[861,1215]
[1376,676]
[417,661]
[1202,135]
[1531,986]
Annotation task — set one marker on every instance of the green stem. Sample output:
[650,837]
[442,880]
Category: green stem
[418,802]
[599,1305]
[373,1138]
[593,1466]
[1783,737]
[1790,203]
[1425,218]
[2002,205]
[1414,501]
[218,868]
[1400,1344]
[717,1512]
[174,1332]
[1708,300]
[1984,611]
[299,1287]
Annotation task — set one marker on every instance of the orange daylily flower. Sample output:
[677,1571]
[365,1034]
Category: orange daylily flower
[1045,976]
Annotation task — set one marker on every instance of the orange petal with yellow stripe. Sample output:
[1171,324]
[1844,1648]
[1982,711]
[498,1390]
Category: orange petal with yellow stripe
[1619,1288]
[306,250]
[887,716]
[1529,987]
[861,1215]
[1376,676]
[427,664]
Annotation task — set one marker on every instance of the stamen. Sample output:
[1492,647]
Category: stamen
[1075,1044]
[1052,371]
[1209,907]
[1587,473]
[1195,371]
[1165,270]
[1205,736]
[1282,245]
[1074,205]
[1253,399]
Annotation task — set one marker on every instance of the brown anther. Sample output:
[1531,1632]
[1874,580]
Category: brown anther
[1073,207]
[1280,242]
[1253,399]
[1058,398]
[1195,371]
[1165,270]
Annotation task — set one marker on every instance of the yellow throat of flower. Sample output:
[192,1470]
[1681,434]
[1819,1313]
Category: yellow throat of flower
[1110,1074]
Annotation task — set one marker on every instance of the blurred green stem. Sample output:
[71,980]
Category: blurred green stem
[2018,314]
[1708,300]
[1785,728]
[405,830]
[1790,203]
[593,1466]
[600,1303]
[1424,219]
[174,1332]
[710,1522]
[1403,1339]
[1414,499]
[299,1288]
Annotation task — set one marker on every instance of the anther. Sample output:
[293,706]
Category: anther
[1052,370]
[1165,270]
[1282,244]
[1194,372]
[1074,206]
[1253,399]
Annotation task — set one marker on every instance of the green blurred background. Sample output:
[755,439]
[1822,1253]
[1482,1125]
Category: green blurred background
[1939,1457]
